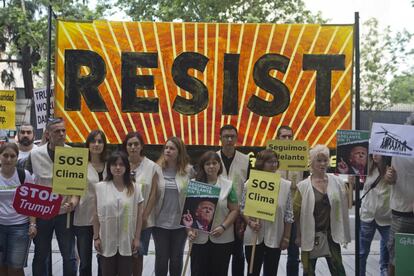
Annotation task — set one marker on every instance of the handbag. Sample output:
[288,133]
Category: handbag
[321,246]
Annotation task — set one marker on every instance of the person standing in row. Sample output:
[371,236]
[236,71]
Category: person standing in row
[321,213]
[236,167]
[400,176]
[147,175]
[292,265]
[84,213]
[211,251]
[375,212]
[40,163]
[25,142]
[15,230]
[272,237]
[118,219]
[169,236]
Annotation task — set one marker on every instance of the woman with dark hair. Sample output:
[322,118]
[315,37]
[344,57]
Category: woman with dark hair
[169,236]
[321,212]
[272,237]
[118,218]
[15,229]
[375,212]
[84,212]
[148,176]
[211,251]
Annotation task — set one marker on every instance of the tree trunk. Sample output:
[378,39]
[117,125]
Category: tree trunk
[26,63]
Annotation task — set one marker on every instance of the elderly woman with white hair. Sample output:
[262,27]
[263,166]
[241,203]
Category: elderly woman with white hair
[321,211]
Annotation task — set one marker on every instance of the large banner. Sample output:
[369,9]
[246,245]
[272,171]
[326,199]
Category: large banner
[189,79]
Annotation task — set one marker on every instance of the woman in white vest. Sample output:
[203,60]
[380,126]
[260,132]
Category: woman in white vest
[211,251]
[118,219]
[147,175]
[169,236]
[270,237]
[84,212]
[321,210]
[375,212]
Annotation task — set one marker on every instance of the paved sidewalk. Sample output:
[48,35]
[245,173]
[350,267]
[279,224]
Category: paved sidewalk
[321,267]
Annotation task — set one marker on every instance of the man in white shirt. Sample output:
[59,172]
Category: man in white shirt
[400,175]
[25,139]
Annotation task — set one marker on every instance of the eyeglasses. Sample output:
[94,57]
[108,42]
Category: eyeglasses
[228,137]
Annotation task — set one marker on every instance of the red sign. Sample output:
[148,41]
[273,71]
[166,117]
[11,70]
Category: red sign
[36,201]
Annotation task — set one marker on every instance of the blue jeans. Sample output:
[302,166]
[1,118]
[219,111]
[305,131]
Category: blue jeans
[43,242]
[365,238]
[14,245]
[84,237]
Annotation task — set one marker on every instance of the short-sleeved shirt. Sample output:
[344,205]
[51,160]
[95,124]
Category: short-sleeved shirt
[8,186]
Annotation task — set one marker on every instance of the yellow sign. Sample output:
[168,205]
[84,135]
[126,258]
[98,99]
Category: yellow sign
[70,171]
[292,154]
[189,79]
[7,109]
[262,195]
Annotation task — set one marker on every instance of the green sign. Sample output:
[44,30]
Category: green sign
[404,254]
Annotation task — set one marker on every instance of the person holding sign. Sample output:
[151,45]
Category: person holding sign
[321,212]
[211,251]
[400,176]
[147,175]
[118,219]
[40,163]
[169,236]
[84,213]
[292,266]
[375,212]
[15,230]
[270,237]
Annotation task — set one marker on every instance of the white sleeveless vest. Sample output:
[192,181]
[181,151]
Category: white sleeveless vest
[117,213]
[272,232]
[42,167]
[237,173]
[339,217]
[144,174]
[221,212]
[86,208]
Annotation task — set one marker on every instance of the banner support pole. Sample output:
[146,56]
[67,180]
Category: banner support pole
[357,127]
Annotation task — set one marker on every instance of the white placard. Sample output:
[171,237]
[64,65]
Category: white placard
[392,140]
[40,102]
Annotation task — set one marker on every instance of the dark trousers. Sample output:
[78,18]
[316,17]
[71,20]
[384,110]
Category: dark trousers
[84,237]
[43,240]
[116,265]
[237,261]
[169,250]
[267,256]
[292,265]
[210,259]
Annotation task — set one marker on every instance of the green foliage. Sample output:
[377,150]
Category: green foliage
[23,30]
[401,88]
[382,54]
[272,11]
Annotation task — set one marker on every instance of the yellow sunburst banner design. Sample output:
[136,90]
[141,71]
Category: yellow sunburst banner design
[292,50]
